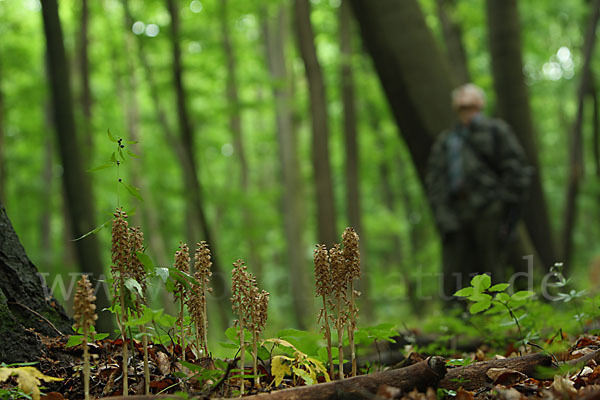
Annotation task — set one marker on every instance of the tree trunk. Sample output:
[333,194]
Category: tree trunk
[326,218]
[84,72]
[452,34]
[576,138]
[2,146]
[235,126]
[25,301]
[76,184]
[422,375]
[292,208]
[186,156]
[352,155]
[513,107]
[417,87]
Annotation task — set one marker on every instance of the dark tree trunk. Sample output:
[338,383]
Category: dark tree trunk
[235,126]
[25,301]
[352,154]
[2,147]
[513,106]
[576,137]
[275,36]
[326,218]
[84,72]
[76,185]
[417,87]
[452,34]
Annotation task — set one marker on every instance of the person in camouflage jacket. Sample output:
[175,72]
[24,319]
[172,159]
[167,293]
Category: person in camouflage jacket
[477,181]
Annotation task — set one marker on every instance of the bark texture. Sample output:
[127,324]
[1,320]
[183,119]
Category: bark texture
[474,376]
[452,33]
[417,87]
[576,137]
[76,185]
[25,301]
[421,375]
[513,106]
[326,217]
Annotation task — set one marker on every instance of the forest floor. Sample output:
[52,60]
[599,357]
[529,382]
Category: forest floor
[480,374]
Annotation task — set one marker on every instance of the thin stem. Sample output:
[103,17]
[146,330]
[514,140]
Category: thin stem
[86,363]
[242,357]
[145,346]
[351,326]
[255,354]
[182,328]
[340,329]
[328,337]
[123,334]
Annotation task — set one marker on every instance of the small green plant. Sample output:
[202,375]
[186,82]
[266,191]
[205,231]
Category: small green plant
[197,299]
[494,299]
[299,365]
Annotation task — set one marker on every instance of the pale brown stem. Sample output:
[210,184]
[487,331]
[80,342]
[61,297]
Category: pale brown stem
[124,335]
[242,358]
[182,327]
[86,363]
[145,346]
[351,328]
[205,321]
[328,337]
[255,354]
[340,329]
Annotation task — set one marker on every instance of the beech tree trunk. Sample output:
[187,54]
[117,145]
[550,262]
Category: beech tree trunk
[417,87]
[84,72]
[275,36]
[576,137]
[76,184]
[235,126]
[326,217]
[452,33]
[25,302]
[352,153]
[513,106]
[2,147]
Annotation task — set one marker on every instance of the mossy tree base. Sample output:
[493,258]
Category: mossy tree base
[26,307]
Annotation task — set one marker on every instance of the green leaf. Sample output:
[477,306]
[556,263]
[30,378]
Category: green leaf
[132,154]
[111,137]
[145,260]
[100,336]
[163,273]
[500,287]
[228,345]
[232,334]
[113,158]
[521,295]
[476,297]
[165,320]
[304,375]
[95,230]
[481,282]
[503,297]
[74,340]
[134,286]
[99,167]
[132,190]
[464,292]
[480,306]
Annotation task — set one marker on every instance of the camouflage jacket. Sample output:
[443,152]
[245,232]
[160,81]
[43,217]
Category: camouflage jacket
[493,169]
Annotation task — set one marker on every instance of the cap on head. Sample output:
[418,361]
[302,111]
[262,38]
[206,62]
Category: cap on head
[467,96]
